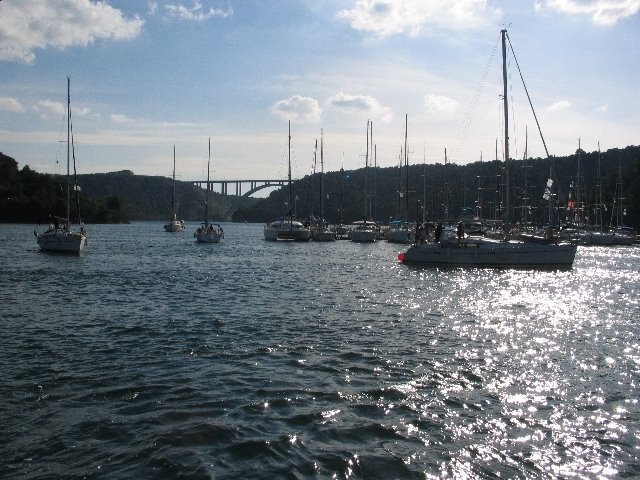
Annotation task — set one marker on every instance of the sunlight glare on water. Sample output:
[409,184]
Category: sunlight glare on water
[170,360]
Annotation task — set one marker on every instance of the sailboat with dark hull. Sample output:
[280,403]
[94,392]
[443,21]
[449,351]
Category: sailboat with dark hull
[400,232]
[174,224]
[59,237]
[365,230]
[208,232]
[453,249]
[321,231]
[287,228]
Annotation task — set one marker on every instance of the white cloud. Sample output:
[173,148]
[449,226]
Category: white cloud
[561,105]
[298,108]
[196,12]
[439,104]
[30,24]
[10,104]
[119,118]
[364,104]
[45,107]
[602,12]
[391,17]
[603,109]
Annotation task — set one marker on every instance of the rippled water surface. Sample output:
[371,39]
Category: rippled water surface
[152,357]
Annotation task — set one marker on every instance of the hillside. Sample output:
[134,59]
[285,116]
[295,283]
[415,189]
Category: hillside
[149,198]
[28,196]
[470,186]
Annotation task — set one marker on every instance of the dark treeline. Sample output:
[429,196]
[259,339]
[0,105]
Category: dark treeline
[118,197]
[28,196]
[149,197]
[478,186]
[31,197]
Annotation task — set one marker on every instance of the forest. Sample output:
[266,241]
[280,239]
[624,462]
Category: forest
[439,192]
[603,186]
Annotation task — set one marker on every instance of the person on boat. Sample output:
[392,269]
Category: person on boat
[437,233]
[420,233]
[460,231]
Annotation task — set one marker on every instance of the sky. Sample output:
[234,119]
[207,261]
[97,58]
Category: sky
[148,75]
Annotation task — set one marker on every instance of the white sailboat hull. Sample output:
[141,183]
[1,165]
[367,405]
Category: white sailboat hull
[363,235]
[323,235]
[62,241]
[398,235]
[208,238]
[490,253]
[285,230]
[208,235]
[174,226]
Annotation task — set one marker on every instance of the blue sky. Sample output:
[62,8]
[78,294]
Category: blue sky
[147,75]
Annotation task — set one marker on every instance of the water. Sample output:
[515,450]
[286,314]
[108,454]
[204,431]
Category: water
[153,357]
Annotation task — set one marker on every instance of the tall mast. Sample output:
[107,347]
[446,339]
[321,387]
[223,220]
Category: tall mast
[506,124]
[406,167]
[366,172]
[68,147]
[448,190]
[341,188]
[289,148]
[321,177]
[206,202]
[173,190]
[599,192]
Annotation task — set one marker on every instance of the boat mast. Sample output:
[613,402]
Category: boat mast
[68,148]
[406,166]
[341,188]
[366,172]
[506,124]
[599,192]
[289,148]
[321,178]
[173,189]
[206,201]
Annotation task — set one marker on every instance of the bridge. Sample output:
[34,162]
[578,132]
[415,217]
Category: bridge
[237,186]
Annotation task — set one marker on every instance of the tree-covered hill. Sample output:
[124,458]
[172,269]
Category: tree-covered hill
[28,196]
[149,197]
[473,185]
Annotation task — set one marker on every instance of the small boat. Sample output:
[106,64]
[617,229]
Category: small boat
[400,231]
[320,230]
[59,237]
[287,228]
[453,248]
[364,231]
[174,224]
[208,232]
[486,252]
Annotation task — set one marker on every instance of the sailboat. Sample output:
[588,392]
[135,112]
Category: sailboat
[455,249]
[208,232]
[287,228]
[174,224]
[365,231]
[321,232]
[59,237]
[400,231]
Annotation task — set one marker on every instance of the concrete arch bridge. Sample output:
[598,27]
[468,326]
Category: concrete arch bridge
[236,187]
